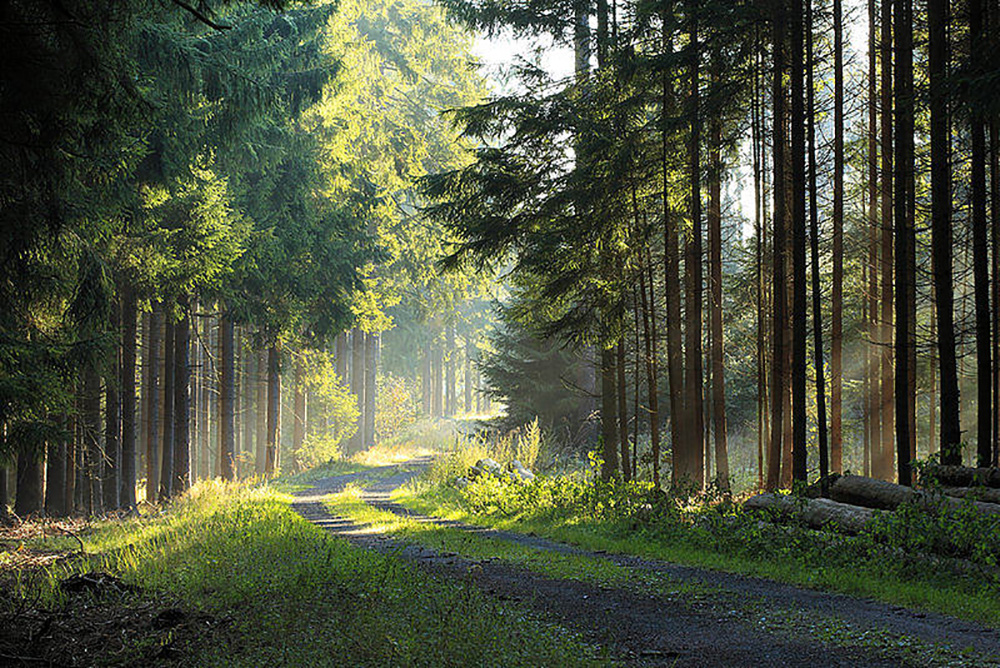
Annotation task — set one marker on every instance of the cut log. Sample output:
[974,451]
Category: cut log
[814,513]
[961,476]
[879,494]
[984,494]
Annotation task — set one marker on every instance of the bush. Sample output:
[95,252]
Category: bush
[396,407]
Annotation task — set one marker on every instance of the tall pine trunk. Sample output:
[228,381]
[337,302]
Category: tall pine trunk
[29,497]
[273,409]
[227,399]
[715,301]
[652,377]
[449,391]
[112,416]
[299,426]
[128,397]
[151,398]
[623,438]
[837,297]
[167,447]
[609,414]
[798,150]
[941,238]
[874,434]
[182,402]
[886,449]
[55,473]
[358,386]
[371,378]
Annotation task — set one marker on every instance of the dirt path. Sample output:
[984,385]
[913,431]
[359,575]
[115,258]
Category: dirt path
[715,619]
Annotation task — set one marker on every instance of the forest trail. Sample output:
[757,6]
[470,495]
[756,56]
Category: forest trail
[712,619]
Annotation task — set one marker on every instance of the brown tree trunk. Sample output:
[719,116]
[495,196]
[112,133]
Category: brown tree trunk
[207,400]
[694,458]
[609,417]
[110,486]
[372,341]
[449,384]
[980,249]
[778,387]
[995,227]
[151,398]
[798,148]
[905,343]
[623,440]
[814,513]
[169,394]
[837,297]
[299,427]
[182,402]
[941,239]
[127,493]
[261,385]
[273,410]
[227,399]
[715,301]
[29,496]
[873,398]
[467,375]
[55,474]
[358,387]
[652,377]
[248,389]
[886,449]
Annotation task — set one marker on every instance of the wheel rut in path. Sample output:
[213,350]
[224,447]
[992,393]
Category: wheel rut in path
[641,629]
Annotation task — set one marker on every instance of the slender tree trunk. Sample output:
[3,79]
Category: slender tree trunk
[609,417]
[437,378]
[837,298]
[261,384]
[128,397]
[449,371]
[169,394]
[371,383]
[227,399]
[941,239]
[205,423]
[694,376]
[467,375]
[715,303]
[273,409]
[818,359]
[763,436]
[905,342]
[299,428]
[622,408]
[932,373]
[110,485]
[886,448]
[182,402]
[248,390]
[980,249]
[152,399]
[29,496]
[652,377]
[427,386]
[798,246]
[874,332]
[55,474]
[358,387]
[995,227]
[778,387]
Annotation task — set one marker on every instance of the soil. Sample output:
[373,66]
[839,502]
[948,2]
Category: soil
[715,619]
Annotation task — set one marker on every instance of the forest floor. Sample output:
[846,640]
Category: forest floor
[642,611]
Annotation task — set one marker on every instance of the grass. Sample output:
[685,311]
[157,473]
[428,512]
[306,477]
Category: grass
[292,595]
[790,554]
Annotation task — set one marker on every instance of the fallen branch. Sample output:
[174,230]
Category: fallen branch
[83,550]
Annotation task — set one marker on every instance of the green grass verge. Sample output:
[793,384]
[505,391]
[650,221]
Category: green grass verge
[299,597]
[768,615]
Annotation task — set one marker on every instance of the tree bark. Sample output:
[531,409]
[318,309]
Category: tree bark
[905,236]
[467,375]
[873,435]
[273,409]
[29,496]
[694,459]
[110,485]
[182,403]
[55,474]
[169,394]
[372,341]
[885,464]
[358,387]
[652,377]
[227,399]
[151,398]
[837,297]
[261,384]
[449,391]
[884,495]
[299,427]
[715,302]
[814,513]
[961,476]
[798,246]
[623,439]
[941,239]
[128,397]
[248,389]
[778,387]
[609,417]
[207,399]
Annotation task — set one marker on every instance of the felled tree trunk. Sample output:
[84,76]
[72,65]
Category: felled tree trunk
[883,495]
[962,476]
[814,513]
[985,494]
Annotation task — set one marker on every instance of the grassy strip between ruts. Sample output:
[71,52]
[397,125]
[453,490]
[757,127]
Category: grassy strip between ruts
[292,595]
[786,554]
[766,615]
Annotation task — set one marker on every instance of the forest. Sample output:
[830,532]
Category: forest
[470,310]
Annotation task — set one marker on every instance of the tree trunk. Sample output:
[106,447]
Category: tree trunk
[941,240]
[652,377]
[55,474]
[358,387]
[798,246]
[247,390]
[29,496]
[169,423]
[961,476]
[151,397]
[427,386]
[261,384]
[372,341]
[837,297]
[437,378]
[980,249]
[905,343]
[449,391]
[883,495]
[209,398]
[715,303]
[818,359]
[609,417]
[227,399]
[467,375]
[694,377]
[778,387]
[995,227]
[127,491]
[273,409]
[623,439]
[110,486]
[874,403]
[814,513]
[886,449]
[299,427]
[182,403]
